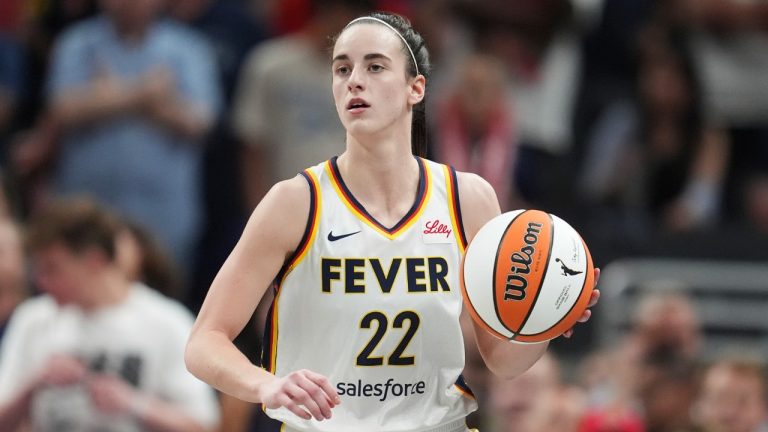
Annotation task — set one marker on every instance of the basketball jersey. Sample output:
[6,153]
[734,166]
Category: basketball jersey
[375,309]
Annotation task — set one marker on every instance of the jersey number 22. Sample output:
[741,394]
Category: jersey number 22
[382,323]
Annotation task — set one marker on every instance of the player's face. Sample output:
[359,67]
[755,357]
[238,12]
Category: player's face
[371,89]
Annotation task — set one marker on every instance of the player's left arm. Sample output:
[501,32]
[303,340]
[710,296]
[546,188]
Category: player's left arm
[505,359]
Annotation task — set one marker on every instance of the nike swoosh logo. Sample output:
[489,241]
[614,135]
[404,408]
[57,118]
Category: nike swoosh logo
[332,237]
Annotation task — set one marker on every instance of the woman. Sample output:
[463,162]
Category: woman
[364,330]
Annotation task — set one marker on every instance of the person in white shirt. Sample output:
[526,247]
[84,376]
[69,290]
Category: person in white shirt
[95,351]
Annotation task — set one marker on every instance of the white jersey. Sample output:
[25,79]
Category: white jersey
[376,309]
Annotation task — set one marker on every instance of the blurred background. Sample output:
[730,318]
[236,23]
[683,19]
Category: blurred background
[643,123]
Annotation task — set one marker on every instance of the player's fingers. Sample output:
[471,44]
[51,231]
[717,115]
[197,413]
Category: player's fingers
[301,396]
[597,275]
[325,385]
[285,401]
[317,394]
[594,298]
[568,333]
[585,316]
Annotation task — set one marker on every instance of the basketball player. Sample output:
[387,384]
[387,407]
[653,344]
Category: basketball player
[364,332]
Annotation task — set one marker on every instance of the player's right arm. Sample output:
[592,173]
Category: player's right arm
[273,232]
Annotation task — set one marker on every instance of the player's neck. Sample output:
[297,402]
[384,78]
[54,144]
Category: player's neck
[384,178]
[383,161]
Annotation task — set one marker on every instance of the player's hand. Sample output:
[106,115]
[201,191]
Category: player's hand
[592,301]
[302,391]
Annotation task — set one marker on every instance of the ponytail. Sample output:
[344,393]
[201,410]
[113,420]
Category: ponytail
[419,129]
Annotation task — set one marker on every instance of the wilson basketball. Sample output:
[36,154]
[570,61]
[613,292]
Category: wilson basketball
[527,276]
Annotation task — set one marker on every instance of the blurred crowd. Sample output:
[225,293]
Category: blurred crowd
[137,135]
[655,379]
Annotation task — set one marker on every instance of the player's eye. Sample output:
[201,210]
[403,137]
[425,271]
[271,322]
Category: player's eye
[342,70]
[375,67]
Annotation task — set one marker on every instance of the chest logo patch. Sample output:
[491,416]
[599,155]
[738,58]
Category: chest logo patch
[436,231]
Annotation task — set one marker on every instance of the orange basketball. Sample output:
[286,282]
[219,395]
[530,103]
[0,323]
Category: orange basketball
[527,276]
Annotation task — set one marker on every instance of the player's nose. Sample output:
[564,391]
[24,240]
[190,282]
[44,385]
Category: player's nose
[356,81]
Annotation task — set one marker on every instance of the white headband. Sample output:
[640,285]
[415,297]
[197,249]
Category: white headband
[413,57]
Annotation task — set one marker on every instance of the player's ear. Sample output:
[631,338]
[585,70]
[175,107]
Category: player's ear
[417,89]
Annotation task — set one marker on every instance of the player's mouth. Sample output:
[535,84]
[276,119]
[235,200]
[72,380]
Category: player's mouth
[357,105]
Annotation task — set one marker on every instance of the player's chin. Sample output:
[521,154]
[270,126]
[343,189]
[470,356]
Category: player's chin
[360,127]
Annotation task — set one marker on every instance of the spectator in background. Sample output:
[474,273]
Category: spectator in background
[658,160]
[13,282]
[654,361]
[728,39]
[685,158]
[667,391]
[132,98]
[538,41]
[474,130]
[96,351]
[283,110]
[733,397]
[536,401]
[666,322]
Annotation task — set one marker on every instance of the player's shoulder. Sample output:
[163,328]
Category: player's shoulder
[291,193]
[475,190]
[290,200]
[281,218]
[478,201]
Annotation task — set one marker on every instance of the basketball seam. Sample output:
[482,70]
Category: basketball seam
[543,277]
[583,285]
